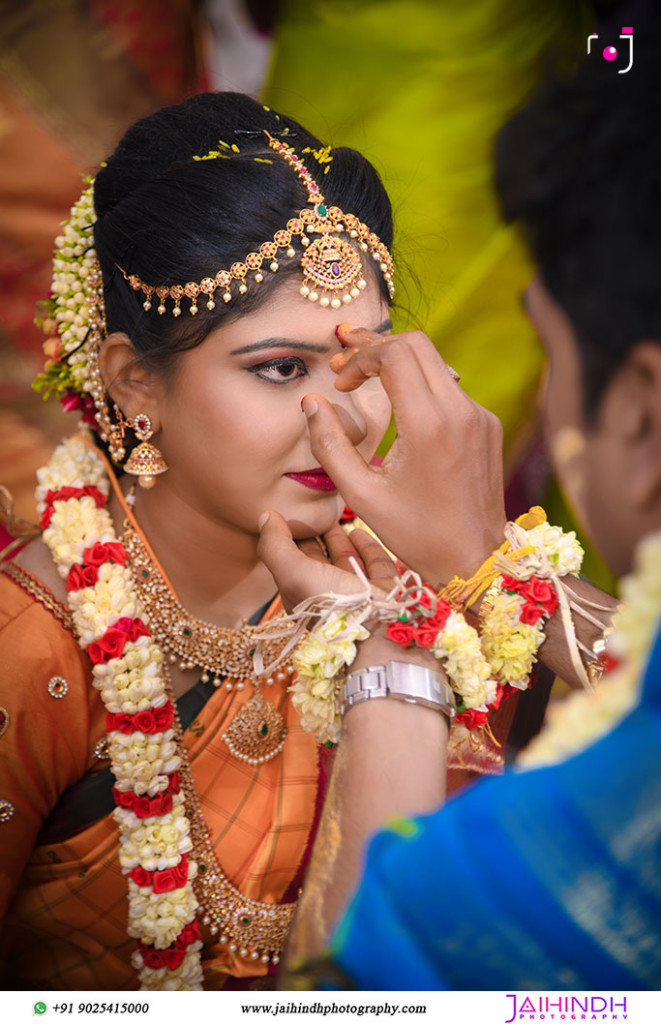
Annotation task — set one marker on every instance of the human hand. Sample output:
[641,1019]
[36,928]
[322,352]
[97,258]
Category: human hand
[437,499]
[301,569]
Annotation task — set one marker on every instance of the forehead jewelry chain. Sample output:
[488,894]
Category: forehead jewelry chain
[332,266]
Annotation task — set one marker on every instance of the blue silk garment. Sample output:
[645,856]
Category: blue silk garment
[543,879]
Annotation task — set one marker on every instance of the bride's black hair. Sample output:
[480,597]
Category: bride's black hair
[170,218]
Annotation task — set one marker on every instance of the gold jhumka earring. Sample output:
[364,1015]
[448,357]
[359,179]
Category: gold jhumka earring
[145,461]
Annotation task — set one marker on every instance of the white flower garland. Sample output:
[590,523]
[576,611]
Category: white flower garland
[319,661]
[67,319]
[582,718]
[143,763]
[458,647]
[509,644]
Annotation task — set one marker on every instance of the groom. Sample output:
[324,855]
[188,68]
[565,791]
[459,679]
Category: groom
[547,878]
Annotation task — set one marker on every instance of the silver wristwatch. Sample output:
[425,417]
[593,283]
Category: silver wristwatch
[401,680]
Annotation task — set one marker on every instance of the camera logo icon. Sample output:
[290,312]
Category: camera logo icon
[611,53]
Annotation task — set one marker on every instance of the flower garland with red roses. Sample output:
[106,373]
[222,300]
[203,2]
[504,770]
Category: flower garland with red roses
[513,627]
[483,668]
[584,717]
[128,671]
[436,626]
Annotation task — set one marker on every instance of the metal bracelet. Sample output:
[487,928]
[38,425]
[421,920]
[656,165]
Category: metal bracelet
[401,680]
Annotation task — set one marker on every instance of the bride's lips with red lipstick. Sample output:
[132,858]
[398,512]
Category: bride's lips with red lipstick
[316,479]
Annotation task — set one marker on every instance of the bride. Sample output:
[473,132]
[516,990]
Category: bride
[196,292]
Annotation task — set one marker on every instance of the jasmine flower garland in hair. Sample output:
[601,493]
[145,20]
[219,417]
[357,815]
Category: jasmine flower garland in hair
[66,311]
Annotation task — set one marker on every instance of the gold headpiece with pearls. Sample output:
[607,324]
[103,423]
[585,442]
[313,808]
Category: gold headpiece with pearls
[332,267]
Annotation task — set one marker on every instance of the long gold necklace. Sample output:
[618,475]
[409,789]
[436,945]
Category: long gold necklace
[256,734]
[254,930]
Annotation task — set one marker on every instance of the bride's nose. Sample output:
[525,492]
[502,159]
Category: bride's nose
[352,407]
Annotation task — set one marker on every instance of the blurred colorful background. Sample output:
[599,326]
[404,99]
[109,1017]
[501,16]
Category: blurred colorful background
[420,86]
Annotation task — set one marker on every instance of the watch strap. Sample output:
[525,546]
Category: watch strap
[400,680]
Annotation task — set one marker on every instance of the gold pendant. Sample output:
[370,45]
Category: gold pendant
[257,732]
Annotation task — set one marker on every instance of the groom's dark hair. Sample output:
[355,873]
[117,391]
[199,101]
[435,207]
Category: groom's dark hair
[580,168]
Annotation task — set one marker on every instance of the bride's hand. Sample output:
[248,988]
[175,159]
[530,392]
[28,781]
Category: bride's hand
[437,499]
[301,569]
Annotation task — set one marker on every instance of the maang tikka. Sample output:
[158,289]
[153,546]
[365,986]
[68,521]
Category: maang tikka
[332,267]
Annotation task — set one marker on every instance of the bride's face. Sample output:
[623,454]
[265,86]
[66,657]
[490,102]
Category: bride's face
[232,428]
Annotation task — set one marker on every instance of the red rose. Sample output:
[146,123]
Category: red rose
[92,492]
[400,633]
[173,958]
[99,553]
[123,799]
[110,645]
[471,718]
[440,616]
[140,875]
[152,806]
[142,807]
[89,412]
[153,958]
[495,703]
[174,878]
[45,517]
[426,635]
[174,785]
[542,592]
[164,716]
[515,586]
[181,873]
[132,627]
[82,576]
[138,629]
[121,722]
[157,720]
[160,804]
[164,881]
[191,933]
[530,614]
[70,401]
[145,722]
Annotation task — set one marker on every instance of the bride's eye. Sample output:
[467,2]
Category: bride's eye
[280,371]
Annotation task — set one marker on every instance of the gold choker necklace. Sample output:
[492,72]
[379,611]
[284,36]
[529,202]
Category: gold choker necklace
[220,653]
[257,731]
